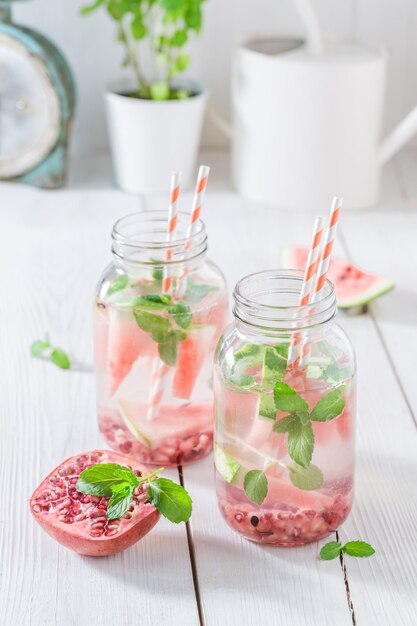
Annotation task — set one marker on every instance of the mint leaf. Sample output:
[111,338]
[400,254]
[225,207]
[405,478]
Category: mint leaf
[120,501]
[287,399]
[156,325]
[285,424]
[358,548]
[330,551]
[60,359]
[117,284]
[301,442]
[308,479]
[267,406]
[196,291]
[227,467]
[328,407]
[181,313]
[171,500]
[275,364]
[168,348]
[256,486]
[100,479]
[38,348]
[153,301]
[250,350]
[337,373]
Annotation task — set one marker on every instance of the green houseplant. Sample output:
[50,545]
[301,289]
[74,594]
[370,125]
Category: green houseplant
[155,119]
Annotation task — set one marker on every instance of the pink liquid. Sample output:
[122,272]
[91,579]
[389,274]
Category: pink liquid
[288,515]
[181,430]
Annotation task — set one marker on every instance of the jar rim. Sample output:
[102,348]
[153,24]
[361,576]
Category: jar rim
[136,234]
[251,306]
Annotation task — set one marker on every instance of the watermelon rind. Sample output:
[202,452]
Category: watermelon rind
[380,287]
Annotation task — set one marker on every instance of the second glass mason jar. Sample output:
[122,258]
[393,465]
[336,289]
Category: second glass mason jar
[284,385]
[154,348]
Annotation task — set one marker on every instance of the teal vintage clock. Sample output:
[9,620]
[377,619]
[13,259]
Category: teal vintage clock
[37,98]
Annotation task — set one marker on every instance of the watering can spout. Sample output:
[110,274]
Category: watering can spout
[397,138]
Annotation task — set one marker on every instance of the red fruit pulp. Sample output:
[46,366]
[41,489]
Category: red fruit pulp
[78,521]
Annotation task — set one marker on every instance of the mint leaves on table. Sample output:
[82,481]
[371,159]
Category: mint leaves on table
[297,424]
[333,549]
[168,331]
[118,483]
[42,349]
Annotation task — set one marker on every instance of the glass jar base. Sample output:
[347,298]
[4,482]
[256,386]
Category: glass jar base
[283,528]
[170,453]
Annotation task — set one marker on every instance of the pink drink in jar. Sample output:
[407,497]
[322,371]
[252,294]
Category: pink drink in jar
[143,335]
[284,442]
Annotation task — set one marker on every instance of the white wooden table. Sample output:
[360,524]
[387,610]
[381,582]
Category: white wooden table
[53,247]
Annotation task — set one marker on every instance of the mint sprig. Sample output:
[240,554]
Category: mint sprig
[117,284]
[42,349]
[167,332]
[333,549]
[297,424]
[273,368]
[118,483]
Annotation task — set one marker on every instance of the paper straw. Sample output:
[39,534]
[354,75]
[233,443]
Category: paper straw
[324,263]
[308,281]
[172,225]
[200,190]
[160,370]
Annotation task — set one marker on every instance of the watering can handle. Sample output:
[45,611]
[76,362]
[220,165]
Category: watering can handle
[401,134]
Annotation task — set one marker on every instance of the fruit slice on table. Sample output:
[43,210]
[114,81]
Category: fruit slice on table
[179,422]
[354,287]
[192,353]
[79,521]
[126,343]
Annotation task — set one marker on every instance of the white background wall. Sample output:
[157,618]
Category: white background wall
[89,45]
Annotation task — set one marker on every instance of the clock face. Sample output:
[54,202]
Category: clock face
[29,109]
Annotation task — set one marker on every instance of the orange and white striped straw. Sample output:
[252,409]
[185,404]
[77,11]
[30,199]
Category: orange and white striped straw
[172,225]
[324,263]
[200,190]
[309,278]
[327,248]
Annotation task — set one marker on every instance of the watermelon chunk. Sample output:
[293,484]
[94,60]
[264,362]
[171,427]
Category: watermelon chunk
[192,353]
[125,344]
[354,287]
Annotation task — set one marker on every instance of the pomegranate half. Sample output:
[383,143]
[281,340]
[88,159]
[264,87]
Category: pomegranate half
[78,521]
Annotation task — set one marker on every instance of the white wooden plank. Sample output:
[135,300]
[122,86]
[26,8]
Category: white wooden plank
[54,246]
[385,509]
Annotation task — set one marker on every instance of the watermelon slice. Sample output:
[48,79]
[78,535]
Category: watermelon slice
[192,353]
[125,344]
[354,287]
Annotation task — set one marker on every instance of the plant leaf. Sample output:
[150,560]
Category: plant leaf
[196,291]
[285,424]
[275,364]
[168,348]
[38,348]
[358,548]
[227,467]
[60,359]
[160,90]
[301,442]
[308,479]
[287,399]
[118,283]
[86,10]
[256,486]
[330,551]
[171,500]
[328,407]
[157,325]
[120,501]
[179,38]
[138,28]
[181,313]
[99,480]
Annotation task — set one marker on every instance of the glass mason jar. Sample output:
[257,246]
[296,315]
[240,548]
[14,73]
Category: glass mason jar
[284,388]
[154,350]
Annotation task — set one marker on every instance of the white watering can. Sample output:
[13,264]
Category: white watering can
[307,118]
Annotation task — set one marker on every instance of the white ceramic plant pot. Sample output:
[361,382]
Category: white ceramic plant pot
[150,138]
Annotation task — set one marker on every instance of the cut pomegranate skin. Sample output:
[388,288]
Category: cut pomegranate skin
[78,521]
